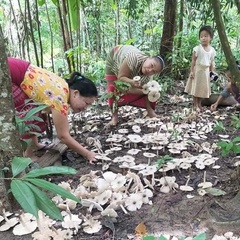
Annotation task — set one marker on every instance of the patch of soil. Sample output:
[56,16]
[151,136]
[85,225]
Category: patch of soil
[176,213]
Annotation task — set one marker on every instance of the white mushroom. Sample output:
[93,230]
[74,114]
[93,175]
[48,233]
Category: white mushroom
[153,96]
[103,197]
[134,202]
[25,228]
[110,212]
[153,85]
[167,184]
[71,221]
[91,225]
[136,128]
[136,78]
[149,156]
[205,184]
[91,204]
[186,187]
[8,222]
[145,89]
[133,151]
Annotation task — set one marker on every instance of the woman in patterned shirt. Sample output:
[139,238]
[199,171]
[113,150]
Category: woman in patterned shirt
[124,63]
[31,84]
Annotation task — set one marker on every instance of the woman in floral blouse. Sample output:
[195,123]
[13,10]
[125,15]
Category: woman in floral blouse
[31,84]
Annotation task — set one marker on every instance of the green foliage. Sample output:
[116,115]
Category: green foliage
[235,122]
[167,85]
[24,121]
[161,161]
[219,126]
[29,116]
[28,188]
[228,147]
[181,57]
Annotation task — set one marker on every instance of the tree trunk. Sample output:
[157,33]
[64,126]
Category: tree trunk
[32,32]
[169,28]
[224,41]
[51,35]
[9,141]
[39,34]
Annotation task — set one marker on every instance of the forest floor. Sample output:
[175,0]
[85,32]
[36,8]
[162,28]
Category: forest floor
[177,213]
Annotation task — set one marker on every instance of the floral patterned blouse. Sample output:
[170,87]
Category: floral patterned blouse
[45,87]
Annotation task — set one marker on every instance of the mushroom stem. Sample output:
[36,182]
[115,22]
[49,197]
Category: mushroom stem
[204,176]
[153,180]
[54,230]
[124,210]
[39,225]
[187,181]
[4,215]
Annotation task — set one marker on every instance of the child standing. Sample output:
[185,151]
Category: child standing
[198,84]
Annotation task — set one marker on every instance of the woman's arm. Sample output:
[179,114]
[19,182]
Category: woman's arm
[224,94]
[193,63]
[124,73]
[62,127]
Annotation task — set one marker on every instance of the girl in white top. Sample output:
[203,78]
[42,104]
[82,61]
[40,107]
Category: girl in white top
[198,83]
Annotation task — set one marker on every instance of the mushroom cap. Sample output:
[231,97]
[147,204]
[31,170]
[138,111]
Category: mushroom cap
[88,203]
[136,78]
[205,184]
[153,96]
[145,89]
[186,188]
[10,223]
[165,189]
[149,155]
[153,85]
[25,228]
[110,212]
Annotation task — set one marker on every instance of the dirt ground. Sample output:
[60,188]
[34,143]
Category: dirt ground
[175,213]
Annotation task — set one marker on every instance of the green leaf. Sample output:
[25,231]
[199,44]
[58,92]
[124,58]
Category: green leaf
[148,238]
[215,191]
[44,203]
[37,118]
[34,111]
[50,170]
[19,164]
[53,188]
[24,195]
[162,238]
[236,139]
[73,7]
[55,2]
[229,146]
[41,2]
[201,236]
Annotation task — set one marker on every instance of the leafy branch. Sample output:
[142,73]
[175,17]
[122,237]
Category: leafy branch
[28,188]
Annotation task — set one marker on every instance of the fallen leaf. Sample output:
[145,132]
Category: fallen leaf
[141,229]
[215,191]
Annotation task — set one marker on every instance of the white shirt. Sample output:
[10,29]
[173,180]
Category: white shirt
[204,58]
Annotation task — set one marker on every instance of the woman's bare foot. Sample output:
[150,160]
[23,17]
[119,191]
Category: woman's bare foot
[151,113]
[114,120]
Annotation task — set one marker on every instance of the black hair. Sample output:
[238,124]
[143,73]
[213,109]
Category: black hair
[160,58]
[85,86]
[208,29]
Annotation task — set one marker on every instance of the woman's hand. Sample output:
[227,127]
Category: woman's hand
[213,107]
[135,83]
[90,156]
[191,75]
